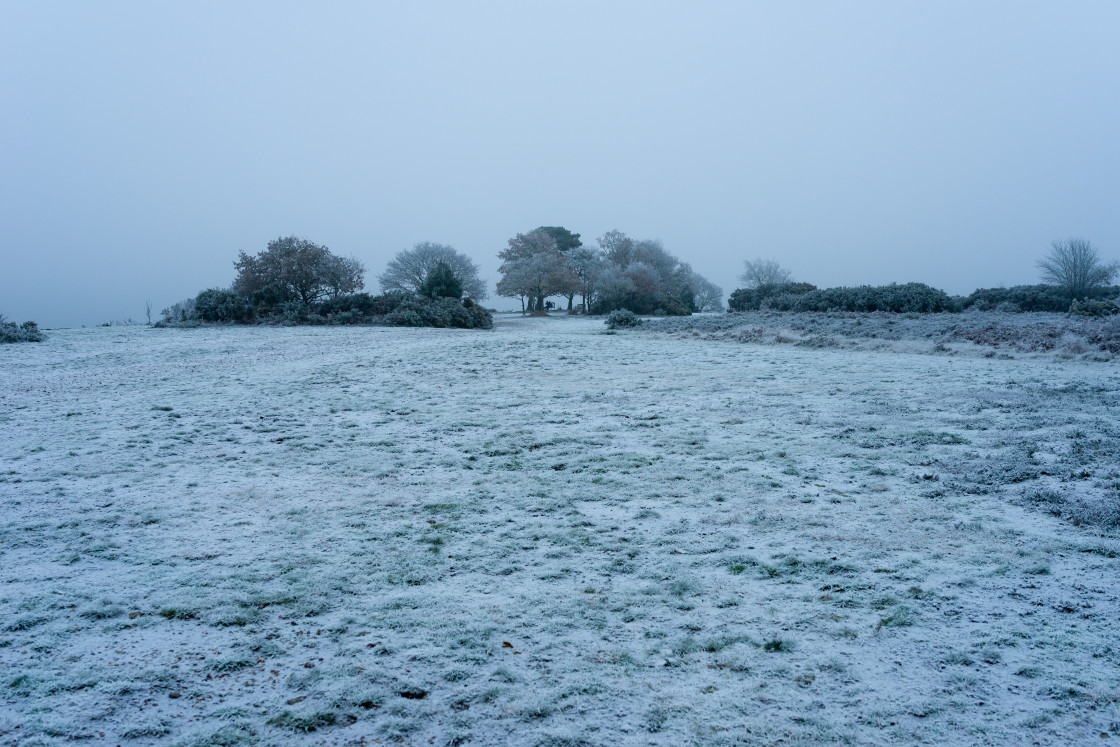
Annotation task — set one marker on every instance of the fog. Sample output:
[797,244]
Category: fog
[142,146]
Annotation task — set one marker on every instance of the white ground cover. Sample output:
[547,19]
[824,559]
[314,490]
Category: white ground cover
[543,534]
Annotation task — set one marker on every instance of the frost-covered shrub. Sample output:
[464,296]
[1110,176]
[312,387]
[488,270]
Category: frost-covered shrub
[404,318]
[671,306]
[480,316]
[359,305]
[1107,336]
[26,332]
[294,312]
[414,311]
[217,305]
[783,302]
[622,318]
[1095,307]
[1018,298]
[908,297]
[752,299]
[178,314]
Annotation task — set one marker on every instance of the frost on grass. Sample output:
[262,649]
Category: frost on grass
[987,333]
[552,536]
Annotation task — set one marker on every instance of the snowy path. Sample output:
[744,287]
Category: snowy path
[227,536]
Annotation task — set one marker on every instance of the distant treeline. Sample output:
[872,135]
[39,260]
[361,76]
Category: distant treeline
[1077,281]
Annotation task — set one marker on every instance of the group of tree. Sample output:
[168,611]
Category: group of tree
[295,281]
[618,273]
[1075,277]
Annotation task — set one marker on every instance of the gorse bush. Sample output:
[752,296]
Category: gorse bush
[751,299]
[26,332]
[909,297]
[215,305]
[1019,298]
[412,311]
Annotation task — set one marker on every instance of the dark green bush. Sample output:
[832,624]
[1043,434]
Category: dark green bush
[909,297]
[751,299]
[670,306]
[216,305]
[393,309]
[1019,298]
[1032,298]
[358,304]
[440,282]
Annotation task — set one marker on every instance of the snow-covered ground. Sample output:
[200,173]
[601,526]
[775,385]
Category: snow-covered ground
[544,534]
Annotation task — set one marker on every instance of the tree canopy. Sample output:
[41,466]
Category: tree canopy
[565,239]
[295,269]
[410,268]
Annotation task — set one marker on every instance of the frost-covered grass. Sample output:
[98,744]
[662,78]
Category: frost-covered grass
[987,333]
[544,534]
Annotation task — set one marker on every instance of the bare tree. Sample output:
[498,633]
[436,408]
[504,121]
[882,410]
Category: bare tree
[406,272]
[1075,267]
[148,310]
[709,296]
[761,273]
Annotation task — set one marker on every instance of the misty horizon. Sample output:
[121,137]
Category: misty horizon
[146,146]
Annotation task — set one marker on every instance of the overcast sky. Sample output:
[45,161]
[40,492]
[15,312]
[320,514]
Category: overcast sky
[142,145]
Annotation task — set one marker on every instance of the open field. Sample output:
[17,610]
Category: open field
[544,534]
